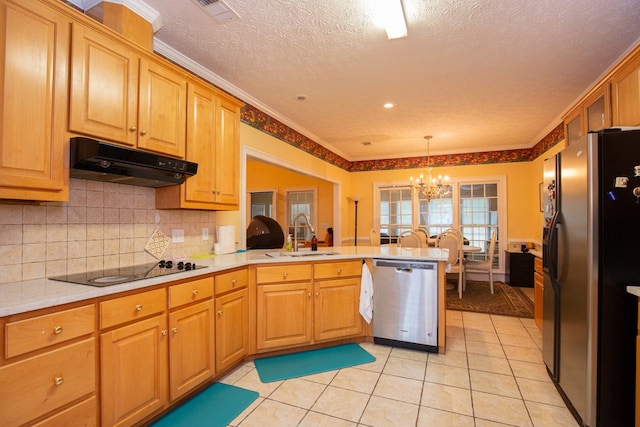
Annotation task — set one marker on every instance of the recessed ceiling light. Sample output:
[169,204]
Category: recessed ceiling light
[389,105]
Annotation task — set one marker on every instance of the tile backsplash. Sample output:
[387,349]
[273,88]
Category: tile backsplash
[103,225]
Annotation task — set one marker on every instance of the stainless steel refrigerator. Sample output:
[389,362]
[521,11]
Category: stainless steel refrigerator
[591,253]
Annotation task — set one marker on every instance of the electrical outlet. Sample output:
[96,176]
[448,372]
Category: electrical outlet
[205,233]
[177,235]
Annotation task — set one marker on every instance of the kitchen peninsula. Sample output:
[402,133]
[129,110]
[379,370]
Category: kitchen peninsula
[232,309]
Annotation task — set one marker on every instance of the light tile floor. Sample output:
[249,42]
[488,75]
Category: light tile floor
[492,374]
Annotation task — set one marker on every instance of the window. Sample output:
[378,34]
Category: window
[474,206]
[301,201]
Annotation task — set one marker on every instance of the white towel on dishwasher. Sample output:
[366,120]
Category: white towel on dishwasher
[366,294]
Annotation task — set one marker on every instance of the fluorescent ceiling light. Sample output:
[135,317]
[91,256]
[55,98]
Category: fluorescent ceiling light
[393,16]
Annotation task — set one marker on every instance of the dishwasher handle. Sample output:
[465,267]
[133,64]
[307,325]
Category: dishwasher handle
[404,270]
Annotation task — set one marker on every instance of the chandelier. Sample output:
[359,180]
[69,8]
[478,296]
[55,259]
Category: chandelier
[427,187]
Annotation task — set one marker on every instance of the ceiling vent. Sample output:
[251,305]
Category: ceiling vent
[219,10]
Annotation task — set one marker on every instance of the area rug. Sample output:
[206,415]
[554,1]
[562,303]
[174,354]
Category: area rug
[303,363]
[506,300]
[215,406]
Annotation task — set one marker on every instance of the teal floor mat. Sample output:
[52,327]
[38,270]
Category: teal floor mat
[215,406]
[311,362]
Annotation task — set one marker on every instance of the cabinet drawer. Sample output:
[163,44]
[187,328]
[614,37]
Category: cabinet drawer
[38,385]
[231,281]
[38,332]
[537,265]
[82,414]
[132,307]
[195,290]
[337,269]
[283,273]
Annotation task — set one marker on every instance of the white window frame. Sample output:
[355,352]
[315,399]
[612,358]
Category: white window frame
[314,210]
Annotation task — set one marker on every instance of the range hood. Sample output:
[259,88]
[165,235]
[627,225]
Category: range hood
[100,161]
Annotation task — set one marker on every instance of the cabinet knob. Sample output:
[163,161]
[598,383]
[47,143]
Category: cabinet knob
[174,330]
[195,292]
[234,282]
[219,312]
[317,294]
[57,330]
[309,294]
[164,332]
[143,132]
[285,274]
[339,271]
[133,129]
[58,380]
[138,307]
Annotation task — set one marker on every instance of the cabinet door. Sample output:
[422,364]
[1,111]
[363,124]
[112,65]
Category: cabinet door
[191,353]
[162,106]
[232,328]
[285,314]
[538,296]
[201,140]
[573,126]
[134,371]
[34,46]
[625,94]
[336,304]
[104,87]
[227,155]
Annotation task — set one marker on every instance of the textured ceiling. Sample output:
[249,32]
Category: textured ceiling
[478,75]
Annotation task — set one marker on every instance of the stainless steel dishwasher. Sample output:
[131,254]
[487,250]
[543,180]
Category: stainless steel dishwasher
[405,304]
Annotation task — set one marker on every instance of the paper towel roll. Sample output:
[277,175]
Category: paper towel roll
[226,234]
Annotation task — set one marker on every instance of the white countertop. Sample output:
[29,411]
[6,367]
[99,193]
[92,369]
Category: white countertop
[634,290]
[20,297]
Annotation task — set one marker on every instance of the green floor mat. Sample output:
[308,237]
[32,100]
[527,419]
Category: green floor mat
[311,362]
[215,406]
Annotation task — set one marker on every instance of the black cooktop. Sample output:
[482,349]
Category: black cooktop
[114,276]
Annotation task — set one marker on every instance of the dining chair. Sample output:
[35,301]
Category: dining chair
[410,239]
[374,237]
[485,266]
[423,232]
[455,261]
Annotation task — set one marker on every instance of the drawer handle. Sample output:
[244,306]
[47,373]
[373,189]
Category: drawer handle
[339,270]
[285,274]
[195,292]
[57,330]
[234,282]
[219,312]
[175,330]
[138,307]
[58,380]
[164,332]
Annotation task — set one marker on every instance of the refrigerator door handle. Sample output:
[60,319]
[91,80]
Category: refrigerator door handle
[553,251]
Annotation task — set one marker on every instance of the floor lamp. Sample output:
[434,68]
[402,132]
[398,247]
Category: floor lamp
[356,199]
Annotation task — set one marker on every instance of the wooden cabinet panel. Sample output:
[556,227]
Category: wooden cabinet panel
[191,347]
[283,273]
[162,109]
[625,94]
[233,280]
[33,158]
[133,307]
[38,332]
[83,414]
[232,328]
[336,308]
[192,291]
[337,269]
[135,371]
[538,291]
[104,87]
[227,156]
[285,313]
[43,383]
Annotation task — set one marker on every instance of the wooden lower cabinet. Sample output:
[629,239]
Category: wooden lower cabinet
[191,347]
[285,313]
[538,291]
[134,371]
[232,328]
[335,308]
[41,384]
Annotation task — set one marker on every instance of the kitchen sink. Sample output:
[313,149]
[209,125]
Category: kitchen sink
[299,253]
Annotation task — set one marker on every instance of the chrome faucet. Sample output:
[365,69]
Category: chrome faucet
[295,234]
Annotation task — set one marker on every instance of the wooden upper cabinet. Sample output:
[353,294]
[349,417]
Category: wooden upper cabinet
[227,157]
[592,114]
[34,46]
[120,96]
[625,93]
